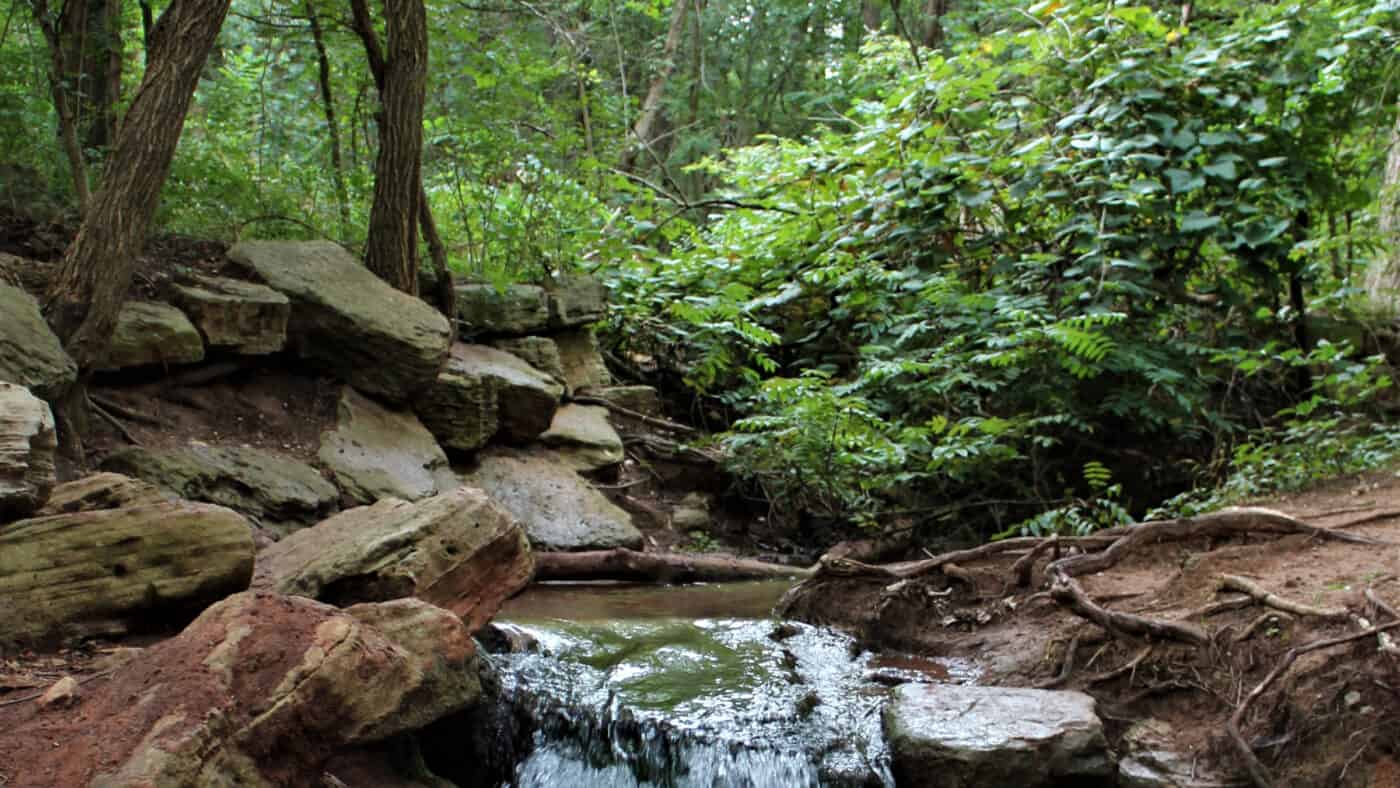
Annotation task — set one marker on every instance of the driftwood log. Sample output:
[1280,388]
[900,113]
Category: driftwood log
[633,566]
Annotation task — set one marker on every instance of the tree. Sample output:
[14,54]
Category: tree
[642,130]
[1383,275]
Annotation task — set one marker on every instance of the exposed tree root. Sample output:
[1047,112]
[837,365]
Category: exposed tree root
[1067,591]
[1269,599]
[1127,668]
[1066,666]
[634,566]
[1253,626]
[114,421]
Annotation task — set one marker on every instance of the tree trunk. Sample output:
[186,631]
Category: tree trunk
[392,248]
[342,194]
[651,106]
[93,279]
[1383,276]
[933,22]
[870,15]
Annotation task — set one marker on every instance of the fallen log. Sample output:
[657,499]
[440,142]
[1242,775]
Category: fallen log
[637,567]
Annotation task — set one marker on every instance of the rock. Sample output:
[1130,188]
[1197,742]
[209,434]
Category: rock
[28,443]
[382,341]
[460,409]
[101,491]
[260,691]
[946,735]
[514,309]
[1149,760]
[64,692]
[505,638]
[106,571]
[691,518]
[248,318]
[526,398]
[30,354]
[576,301]
[274,489]
[458,550]
[583,363]
[639,399]
[379,453]
[149,332]
[559,509]
[539,352]
[584,438]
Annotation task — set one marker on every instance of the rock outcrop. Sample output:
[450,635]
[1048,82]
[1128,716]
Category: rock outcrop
[583,363]
[952,736]
[576,301]
[107,572]
[279,492]
[539,352]
[259,691]
[638,399]
[151,333]
[458,550]
[462,407]
[559,509]
[101,491]
[27,446]
[513,309]
[380,340]
[526,397]
[375,453]
[245,317]
[30,354]
[583,438]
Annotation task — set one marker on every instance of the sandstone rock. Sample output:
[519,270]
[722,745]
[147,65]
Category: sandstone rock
[639,399]
[30,354]
[27,446]
[515,309]
[101,491]
[276,490]
[460,409]
[248,318]
[576,301]
[691,518]
[559,509]
[583,363]
[458,550]
[952,736]
[584,438]
[539,352]
[1149,760]
[102,572]
[382,341]
[259,691]
[63,692]
[526,398]
[149,332]
[377,453]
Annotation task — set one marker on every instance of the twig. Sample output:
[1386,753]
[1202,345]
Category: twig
[110,419]
[1270,599]
[37,695]
[1388,514]
[632,414]
[1066,666]
[1129,667]
[1253,626]
[125,412]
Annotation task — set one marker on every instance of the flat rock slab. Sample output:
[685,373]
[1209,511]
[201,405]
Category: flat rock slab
[248,318]
[105,572]
[150,333]
[952,736]
[560,509]
[259,691]
[458,550]
[101,491]
[583,363]
[30,353]
[274,489]
[375,452]
[28,443]
[527,398]
[514,309]
[584,438]
[382,341]
[576,301]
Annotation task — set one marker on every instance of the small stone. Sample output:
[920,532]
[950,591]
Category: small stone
[150,333]
[64,692]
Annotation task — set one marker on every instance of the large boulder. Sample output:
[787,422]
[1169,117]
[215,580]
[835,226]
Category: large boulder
[276,490]
[382,341]
[583,363]
[30,354]
[584,438]
[101,491]
[245,317]
[576,301]
[105,572]
[559,508]
[27,446]
[527,398]
[150,333]
[461,409]
[458,550]
[259,691]
[375,452]
[539,352]
[513,309]
[951,736]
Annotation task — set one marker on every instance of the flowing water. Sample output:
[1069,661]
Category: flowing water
[692,686]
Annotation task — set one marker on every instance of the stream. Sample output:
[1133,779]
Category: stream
[693,686]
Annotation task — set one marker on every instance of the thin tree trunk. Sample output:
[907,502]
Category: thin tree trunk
[1383,275]
[870,15]
[342,194]
[93,279]
[101,57]
[61,87]
[651,106]
[933,22]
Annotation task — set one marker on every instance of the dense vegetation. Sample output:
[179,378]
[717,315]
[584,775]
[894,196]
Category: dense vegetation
[1035,266]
